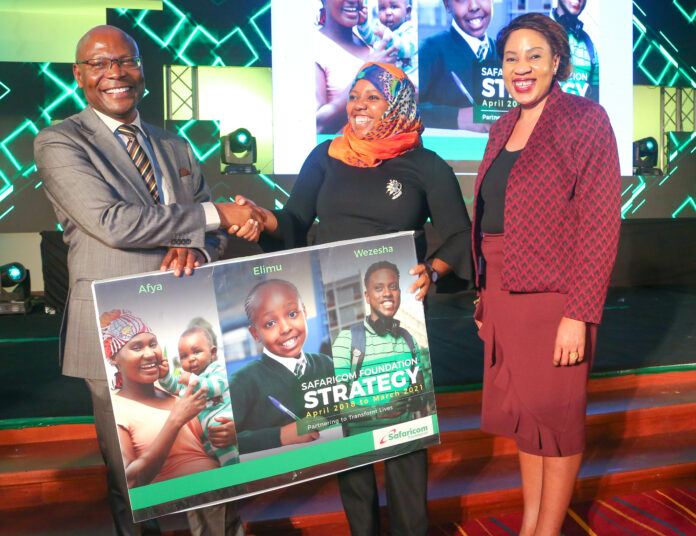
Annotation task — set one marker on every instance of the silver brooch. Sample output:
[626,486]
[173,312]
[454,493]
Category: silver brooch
[394,189]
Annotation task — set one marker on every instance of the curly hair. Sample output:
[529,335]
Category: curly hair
[553,33]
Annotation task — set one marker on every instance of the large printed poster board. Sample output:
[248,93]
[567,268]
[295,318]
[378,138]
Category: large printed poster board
[257,373]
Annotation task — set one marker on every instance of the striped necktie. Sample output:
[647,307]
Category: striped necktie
[482,50]
[140,159]
[300,366]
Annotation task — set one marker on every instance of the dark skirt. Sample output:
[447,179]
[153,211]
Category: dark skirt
[525,397]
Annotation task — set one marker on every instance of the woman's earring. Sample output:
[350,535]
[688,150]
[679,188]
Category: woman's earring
[118,380]
[322,16]
[554,70]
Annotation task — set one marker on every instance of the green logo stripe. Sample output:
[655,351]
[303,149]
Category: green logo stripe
[186,486]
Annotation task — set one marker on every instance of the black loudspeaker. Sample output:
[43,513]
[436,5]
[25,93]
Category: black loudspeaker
[54,265]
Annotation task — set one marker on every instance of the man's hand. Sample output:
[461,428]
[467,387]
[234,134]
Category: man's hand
[182,260]
[234,216]
[224,434]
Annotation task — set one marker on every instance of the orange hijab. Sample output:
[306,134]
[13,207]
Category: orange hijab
[397,132]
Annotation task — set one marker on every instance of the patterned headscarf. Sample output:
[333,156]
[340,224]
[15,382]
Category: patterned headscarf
[117,328]
[397,132]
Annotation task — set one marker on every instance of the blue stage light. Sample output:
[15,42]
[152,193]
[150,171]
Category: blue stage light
[15,273]
[12,274]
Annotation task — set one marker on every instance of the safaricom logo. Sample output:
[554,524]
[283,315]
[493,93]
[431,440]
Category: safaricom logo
[403,433]
[408,434]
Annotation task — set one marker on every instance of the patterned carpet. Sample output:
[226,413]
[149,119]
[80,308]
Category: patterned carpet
[665,512]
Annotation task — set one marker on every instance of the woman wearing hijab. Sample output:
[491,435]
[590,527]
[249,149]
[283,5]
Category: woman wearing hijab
[377,178]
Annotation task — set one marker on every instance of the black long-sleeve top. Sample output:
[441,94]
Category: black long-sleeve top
[398,195]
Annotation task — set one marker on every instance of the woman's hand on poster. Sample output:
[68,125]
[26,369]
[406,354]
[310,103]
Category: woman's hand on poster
[290,436]
[188,406]
[570,342]
[427,273]
[224,434]
[422,284]
[182,260]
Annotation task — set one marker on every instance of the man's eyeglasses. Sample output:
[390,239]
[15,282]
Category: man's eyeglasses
[130,63]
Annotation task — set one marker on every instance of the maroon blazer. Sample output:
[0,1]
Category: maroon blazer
[562,204]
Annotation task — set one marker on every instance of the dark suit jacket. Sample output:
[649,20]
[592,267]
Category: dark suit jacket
[562,204]
[111,225]
[439,96]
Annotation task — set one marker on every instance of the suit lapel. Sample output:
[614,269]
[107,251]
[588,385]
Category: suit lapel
[114,151]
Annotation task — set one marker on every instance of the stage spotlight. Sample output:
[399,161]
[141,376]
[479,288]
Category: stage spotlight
[15,276]
[238,151]
[645,156]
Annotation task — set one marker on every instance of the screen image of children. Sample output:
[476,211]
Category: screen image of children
[380,341]
[267,396]
[394,25]
[447,62]
[202,370]
[159,434]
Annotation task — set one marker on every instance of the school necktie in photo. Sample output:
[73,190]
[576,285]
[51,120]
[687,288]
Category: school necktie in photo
[300,366]
[140,159]
[482,50]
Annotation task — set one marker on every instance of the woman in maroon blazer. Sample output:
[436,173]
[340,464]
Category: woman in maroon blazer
[545,236]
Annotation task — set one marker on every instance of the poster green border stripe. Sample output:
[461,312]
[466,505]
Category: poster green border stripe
[249,471]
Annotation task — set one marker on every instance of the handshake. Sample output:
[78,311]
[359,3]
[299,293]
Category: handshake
[245,219]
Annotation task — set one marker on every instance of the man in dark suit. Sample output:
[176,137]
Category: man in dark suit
[446,64]
[130,198]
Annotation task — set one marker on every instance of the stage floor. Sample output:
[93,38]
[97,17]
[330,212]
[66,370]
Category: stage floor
[642,327]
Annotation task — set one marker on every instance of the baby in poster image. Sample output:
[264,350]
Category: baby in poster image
[202,370]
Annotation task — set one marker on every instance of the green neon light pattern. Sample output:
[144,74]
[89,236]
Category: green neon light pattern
[252,21]
[7,212]
[3,145]
[5,92]
[689,18]
[636,192]
[201,156]
[688,202]
[186,32]
[652,58]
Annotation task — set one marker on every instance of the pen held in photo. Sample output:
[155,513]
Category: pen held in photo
[462,87]
[282,408]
